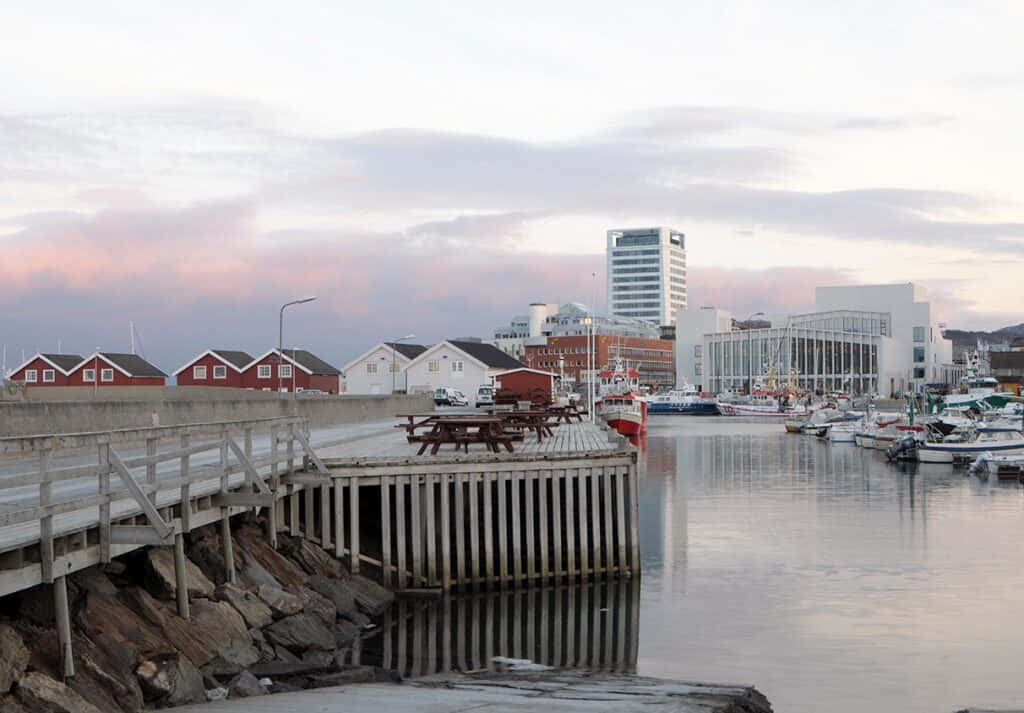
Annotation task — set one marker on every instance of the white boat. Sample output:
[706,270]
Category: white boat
[968,444]
[621,404]
[763,403]
[684,400]
[843,432]
[1004,467]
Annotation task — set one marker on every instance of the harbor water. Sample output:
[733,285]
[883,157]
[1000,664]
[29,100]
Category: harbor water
[827,577]
[819,573]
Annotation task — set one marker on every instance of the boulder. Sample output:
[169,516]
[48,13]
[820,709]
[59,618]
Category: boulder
[300,632]
[195,644]
[105,673]
[370,596]
[172,680]
[284,571]
[224,628]
[283,669]
[251,574]
[334,589]
[345,633]
[42,694]
[10,704]
[14,657]
[102,614]
[92,580]
[204,550]
[357,618]
[36,605]
[161,580]
[322,659]
[312,558]
[255,612]
[281,603]
[319,606]
[351,674]
[245,685]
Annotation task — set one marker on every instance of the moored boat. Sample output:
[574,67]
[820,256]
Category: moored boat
[970,443]
[621,404]
[684,400]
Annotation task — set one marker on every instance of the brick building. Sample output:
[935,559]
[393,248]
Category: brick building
[652,358]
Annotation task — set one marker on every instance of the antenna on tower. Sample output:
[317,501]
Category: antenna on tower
[131,334]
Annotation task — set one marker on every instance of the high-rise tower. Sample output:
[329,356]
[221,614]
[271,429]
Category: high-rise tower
[646,273]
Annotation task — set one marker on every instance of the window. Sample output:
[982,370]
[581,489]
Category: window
[918,355]
[371,367]
[31,376]
[49,376]
[89,375]
[698,350]
[457,366]
[393,367]
[220,372]
[918,373]
[106,374]
[698,370]
[918,334]
[284,371]
[263,371]
[199,372]
[434,366]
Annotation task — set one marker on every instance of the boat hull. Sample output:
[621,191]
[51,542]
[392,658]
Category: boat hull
[946,453]
[759,411]
[626,425]
[706,409]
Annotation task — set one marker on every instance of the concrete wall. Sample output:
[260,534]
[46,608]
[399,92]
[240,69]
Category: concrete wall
[73,415]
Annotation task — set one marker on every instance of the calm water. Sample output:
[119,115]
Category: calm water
[823,575]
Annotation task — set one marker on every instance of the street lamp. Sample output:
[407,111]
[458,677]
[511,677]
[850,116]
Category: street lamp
[592,341]
[750,353]
[394,358]
[280,336]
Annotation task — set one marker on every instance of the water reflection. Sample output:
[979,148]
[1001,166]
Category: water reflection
[825,575]
[589,626]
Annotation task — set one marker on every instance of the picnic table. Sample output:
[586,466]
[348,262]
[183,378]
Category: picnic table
[566,414]
[458,429]
[536,421]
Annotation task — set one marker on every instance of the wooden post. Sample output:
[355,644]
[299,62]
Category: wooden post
[474,527]
[416,529]
[186,486]
[584,528]
[570,526]
[339,518]
[609,542]
[325,514]
[620,519]
[63,616]
[353,505]
[400,545]
[502,481]
[516,550]
[151,444]
[181,577]
[430,540]
[529,483]
[634,525]
[46,553]
[460,531]
[557,533]
[488,535]
[103,451]
[225,538]
[385,529]
[595,523]
[446,543]
[272,519]
[542,514]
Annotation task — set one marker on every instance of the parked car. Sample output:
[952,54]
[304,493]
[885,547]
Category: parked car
[444,396]
[485,396]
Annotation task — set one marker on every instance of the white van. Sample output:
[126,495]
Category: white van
[444,396]
[485,396]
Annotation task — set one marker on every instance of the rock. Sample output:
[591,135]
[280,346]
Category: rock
[287,574]
[345,633]
[115,568]
[370,596]
[42,694]
[245,685]
[217,693]
[107,615]
[256,613]
[14,657]
[92,580]
[36,605]
[300,632]
[319,606]
[225,629]
[105,673]
[161,580]
[251,574]
[10,704]
[313,560]
[323,659]
[281,603]
[182,635]
[204,550]
[172,680]
[280,669]
[334,589]
[283,655]
[275,687]
[356,617]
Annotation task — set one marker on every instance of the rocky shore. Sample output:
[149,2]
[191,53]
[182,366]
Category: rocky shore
[288,623]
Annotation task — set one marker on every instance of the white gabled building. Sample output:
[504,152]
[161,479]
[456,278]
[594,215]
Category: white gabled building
[458,365]
[381,369]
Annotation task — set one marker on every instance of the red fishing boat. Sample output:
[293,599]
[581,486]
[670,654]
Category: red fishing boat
[621,404]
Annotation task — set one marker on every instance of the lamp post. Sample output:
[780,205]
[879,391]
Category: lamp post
[280,336]
[592,341]
[750,353]
[394,358]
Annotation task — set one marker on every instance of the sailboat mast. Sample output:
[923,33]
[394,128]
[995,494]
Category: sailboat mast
[131,335]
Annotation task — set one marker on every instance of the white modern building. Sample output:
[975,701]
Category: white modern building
[877,339]
[381,369]
[646,274]
[571,319]
[458,365]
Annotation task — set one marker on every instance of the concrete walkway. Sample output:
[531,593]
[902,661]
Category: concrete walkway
[555,692]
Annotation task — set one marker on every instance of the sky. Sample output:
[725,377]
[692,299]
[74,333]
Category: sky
[434,168]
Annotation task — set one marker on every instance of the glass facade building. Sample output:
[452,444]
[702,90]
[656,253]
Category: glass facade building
[646,274]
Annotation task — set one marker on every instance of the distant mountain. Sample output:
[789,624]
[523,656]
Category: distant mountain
[964,339]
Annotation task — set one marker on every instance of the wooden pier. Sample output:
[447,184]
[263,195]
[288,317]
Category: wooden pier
[558,511]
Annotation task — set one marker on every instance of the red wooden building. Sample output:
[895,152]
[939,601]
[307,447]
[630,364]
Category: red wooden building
[116,370]
[524,382]
[46,370]
[215,367]
[295,370]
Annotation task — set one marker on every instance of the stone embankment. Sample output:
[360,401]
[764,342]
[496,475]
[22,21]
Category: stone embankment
[286,624]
